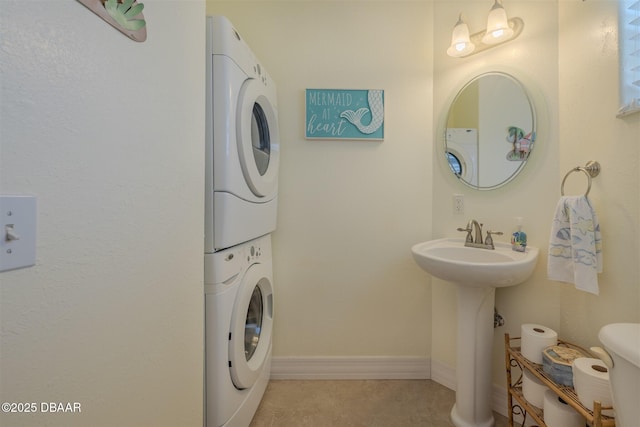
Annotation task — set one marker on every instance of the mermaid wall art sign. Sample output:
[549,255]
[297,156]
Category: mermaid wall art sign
[345,114]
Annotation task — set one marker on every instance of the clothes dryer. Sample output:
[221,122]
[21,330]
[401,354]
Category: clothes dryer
[242,141]
[238,327]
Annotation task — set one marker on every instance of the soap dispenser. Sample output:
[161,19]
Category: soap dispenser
[519,238]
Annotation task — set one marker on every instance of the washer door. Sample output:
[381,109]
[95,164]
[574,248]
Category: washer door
[462,161]
[251,326]
[258,138]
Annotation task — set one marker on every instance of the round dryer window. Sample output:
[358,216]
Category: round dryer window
[251,327]
[253,324]
[258,138]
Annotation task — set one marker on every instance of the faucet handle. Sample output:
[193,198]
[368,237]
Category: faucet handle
[469,238]
[489,240]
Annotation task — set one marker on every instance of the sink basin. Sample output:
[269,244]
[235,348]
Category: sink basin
[450,260]
[476,273]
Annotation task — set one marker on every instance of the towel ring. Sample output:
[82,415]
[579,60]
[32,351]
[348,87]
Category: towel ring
[591,169]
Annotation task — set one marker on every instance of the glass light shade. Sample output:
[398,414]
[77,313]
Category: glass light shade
[460,42]
[498,29]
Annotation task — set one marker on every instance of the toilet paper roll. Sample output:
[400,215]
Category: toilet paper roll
[533,389]
[557,413]
[534,339]
[591,382]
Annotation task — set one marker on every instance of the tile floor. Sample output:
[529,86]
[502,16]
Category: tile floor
[357,403]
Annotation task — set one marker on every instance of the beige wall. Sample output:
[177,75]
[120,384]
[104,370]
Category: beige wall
[113,309]
[532,58]
[567,56]
[322,39]
[108,134]
[349,211]
[590,131]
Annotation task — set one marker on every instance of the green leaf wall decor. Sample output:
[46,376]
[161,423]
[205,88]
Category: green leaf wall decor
[124,15]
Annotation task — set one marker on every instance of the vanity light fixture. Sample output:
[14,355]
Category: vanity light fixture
[460,42]
[497,25]
[499,30]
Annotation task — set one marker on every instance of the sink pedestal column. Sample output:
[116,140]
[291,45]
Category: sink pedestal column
[473,367]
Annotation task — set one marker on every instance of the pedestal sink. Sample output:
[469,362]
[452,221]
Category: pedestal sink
[476,273]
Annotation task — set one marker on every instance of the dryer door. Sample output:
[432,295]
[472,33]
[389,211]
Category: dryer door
[258,138]
[251,326]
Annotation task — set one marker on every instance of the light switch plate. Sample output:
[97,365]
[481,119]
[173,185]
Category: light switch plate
[17,232]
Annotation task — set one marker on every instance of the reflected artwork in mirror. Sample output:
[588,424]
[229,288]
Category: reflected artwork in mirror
[490,131]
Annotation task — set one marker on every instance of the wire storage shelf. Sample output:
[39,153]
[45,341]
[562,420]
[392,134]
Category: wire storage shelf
[521,407]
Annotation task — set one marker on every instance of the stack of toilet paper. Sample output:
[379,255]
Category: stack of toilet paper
[534,339]
[533,389]
[591,382]
[557,413]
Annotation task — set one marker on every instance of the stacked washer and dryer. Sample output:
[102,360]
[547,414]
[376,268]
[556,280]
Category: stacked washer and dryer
[242,152]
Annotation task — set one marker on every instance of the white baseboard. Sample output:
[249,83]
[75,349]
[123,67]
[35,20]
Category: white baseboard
[350,368]
[443,374]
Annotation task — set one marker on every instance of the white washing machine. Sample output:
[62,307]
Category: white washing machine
[242,148]
[239,318]
[462,153]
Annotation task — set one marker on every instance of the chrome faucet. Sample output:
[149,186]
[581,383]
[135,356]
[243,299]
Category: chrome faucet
[475,240]
[478,227]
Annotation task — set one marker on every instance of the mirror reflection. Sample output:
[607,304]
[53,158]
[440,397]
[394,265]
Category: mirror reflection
[490,131]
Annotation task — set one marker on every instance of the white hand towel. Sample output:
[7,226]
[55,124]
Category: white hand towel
[575,247]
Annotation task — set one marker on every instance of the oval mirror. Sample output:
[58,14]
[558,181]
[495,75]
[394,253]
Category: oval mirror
[490,131]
